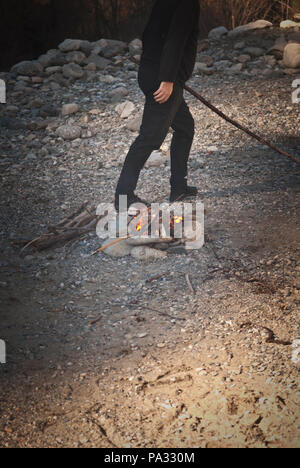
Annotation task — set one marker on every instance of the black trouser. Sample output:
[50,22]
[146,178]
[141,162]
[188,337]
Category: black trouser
[157,119]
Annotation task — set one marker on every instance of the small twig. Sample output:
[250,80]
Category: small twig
[189,284]
[157,277]
[109,245]
[96,320]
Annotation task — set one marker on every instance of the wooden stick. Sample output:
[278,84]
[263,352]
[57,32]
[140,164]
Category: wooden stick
[109,245]
[157,277]
[189,284]
[234,122]
[239,126]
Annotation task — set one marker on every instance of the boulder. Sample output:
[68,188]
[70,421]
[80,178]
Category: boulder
[100,62]
[52,70]
[291,55]
[75,57]
[28,68]
[135,47]
[86,47]
[73,71]
[125,109]
[259,24]
[218,33]
[109,48]
[69,45]
[254,51]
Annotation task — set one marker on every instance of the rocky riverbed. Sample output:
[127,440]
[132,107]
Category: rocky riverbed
[198,349]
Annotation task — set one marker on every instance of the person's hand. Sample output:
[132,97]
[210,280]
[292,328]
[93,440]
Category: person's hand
[164,92]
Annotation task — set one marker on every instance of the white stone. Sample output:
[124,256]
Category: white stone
[259,24]
[125,109]
[288,24]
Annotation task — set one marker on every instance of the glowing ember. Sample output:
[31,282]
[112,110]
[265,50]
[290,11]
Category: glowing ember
[139,227]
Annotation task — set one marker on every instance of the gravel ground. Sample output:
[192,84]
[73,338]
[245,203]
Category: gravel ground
[162,367]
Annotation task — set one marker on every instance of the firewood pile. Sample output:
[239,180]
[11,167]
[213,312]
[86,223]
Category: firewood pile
[77,225]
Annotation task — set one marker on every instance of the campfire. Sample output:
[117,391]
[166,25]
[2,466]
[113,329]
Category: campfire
[150,232]
[145,233]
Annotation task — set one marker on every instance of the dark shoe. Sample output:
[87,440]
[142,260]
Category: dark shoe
[131,199]
[179,195]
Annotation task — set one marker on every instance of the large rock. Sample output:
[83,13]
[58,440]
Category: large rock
[86,47]
[75,57]
[100,62]
[291,56]
[207,59]
[254,51]
[73,71]
[134,124]
[118,94]
[125,109]
[135,47]
[203,68]
[156,159]
[288,24]
[109,48]
[118,250]
[218,33]
[28,68]
[52,58]
[278,48]
[259,24]
[69,109]
[69,45]
[69,132]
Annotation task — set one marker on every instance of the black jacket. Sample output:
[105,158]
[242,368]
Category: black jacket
[170,39]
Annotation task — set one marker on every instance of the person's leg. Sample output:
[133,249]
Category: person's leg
[184,130]
[157,119]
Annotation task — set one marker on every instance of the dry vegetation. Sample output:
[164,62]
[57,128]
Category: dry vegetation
[32,26]
[232,13]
